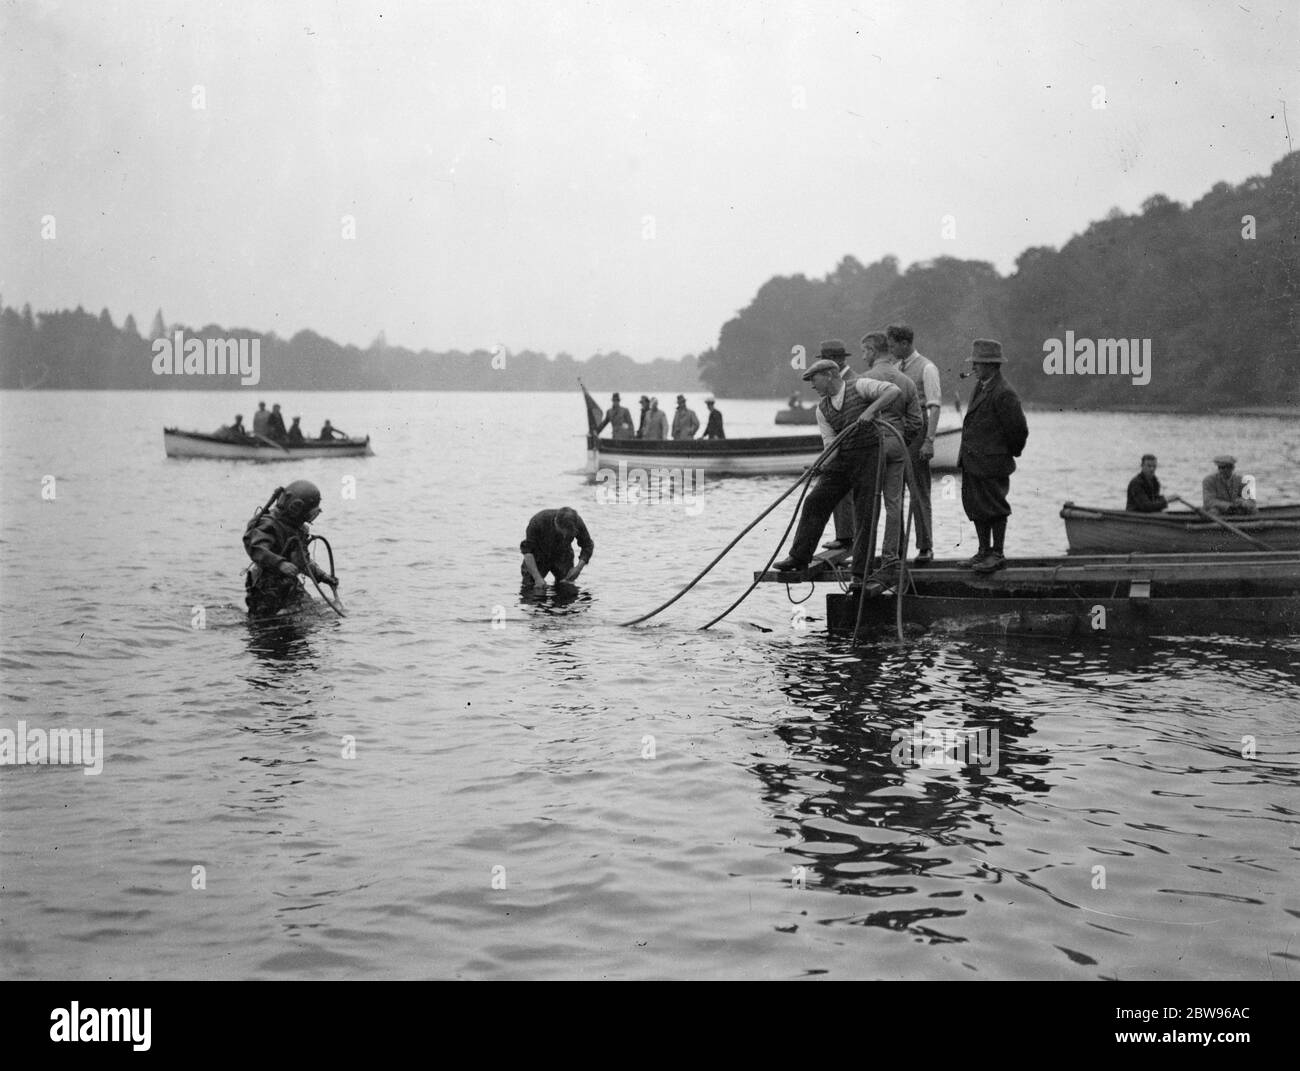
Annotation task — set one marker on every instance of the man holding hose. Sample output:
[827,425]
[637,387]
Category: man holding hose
[851,469]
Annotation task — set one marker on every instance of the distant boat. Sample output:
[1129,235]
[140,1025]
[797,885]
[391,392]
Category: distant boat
[1114,531]
[797,416]
[196,444]
[778,455]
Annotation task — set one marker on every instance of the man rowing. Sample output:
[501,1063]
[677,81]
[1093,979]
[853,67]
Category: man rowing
[1223,491]
[1144,489]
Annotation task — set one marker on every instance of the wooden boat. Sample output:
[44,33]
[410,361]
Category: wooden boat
[196,444]
[797,416]
[1090,598]
[778,455]
[1111,531]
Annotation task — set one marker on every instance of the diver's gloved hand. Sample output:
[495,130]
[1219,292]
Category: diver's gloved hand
[332,581]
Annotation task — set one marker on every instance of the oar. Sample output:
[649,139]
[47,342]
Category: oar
[270,442]
[1222,523]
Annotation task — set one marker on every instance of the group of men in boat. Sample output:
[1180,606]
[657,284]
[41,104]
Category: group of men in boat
[1222,491]
[888,416]
[270,425]
[654,422]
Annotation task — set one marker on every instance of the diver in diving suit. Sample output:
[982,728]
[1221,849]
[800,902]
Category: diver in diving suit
[276,539]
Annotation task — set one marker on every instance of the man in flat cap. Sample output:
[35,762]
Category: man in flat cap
[685,422]
[619,419]
[834,350]
[851,469]
[993,435]
[713,430]
[656,422]
[1221,491]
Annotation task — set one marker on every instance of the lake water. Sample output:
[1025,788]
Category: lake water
[501,816]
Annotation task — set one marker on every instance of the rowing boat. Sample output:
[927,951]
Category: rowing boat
[196,444]
[1111,531]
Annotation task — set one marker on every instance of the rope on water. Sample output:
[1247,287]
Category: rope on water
[803,479]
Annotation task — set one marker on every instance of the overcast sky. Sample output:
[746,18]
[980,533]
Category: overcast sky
[588,177]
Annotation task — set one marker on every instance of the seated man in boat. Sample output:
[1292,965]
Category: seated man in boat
[713,430]
[547,547]
[1144,489]
[295,431]
[1221,491]
[329,432]
[619,420]
[276,540]
[235,433]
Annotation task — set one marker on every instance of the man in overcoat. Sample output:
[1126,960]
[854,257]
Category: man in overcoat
[993,435]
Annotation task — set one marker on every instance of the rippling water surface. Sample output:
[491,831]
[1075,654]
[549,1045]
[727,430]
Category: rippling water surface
[769,836]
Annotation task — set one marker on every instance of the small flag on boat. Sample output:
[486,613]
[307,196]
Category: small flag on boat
[594,414]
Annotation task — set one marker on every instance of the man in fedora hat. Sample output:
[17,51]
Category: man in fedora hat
[851,469]
[993,435]
[685,422]
[1223,491]
[619,419]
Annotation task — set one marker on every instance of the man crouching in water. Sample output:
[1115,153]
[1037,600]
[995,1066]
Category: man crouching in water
[547,548]
[276,540]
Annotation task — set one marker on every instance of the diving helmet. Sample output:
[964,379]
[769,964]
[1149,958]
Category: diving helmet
[300,502]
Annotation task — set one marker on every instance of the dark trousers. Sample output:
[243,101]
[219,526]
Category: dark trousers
[984,498]
[922,523]
[559,568]
[855,480]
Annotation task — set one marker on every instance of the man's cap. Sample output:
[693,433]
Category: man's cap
[833,348]
[709,400]
[986,351]
[681,397]
[645,398]
[1225,459]
[615,396]
[820,366]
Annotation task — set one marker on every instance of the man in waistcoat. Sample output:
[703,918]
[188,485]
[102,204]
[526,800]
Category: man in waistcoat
[904,415]
[851,469]
[834,350]
[923,372]
[993,435]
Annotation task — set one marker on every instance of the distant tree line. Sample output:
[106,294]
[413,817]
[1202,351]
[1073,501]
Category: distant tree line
[1215,287]
[77,350]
